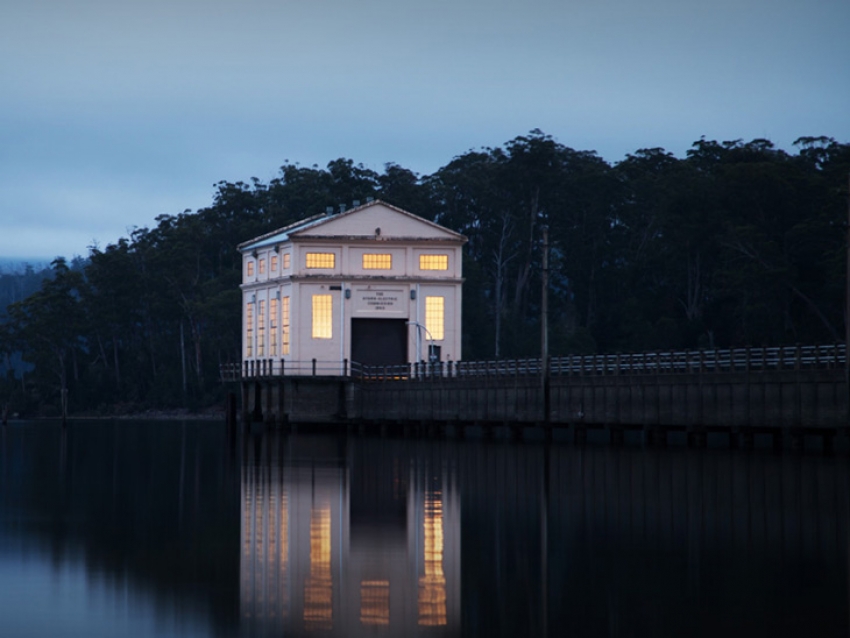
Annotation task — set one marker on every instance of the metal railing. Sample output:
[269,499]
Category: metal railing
[831,356]
[257,368]
[699,361]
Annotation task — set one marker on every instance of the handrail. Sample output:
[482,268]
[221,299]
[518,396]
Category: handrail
[727,360]
[259,368]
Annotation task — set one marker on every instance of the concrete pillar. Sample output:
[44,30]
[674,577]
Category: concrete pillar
[257,414]
[697,438]
[268,411]
[617,436]
[246,406]
[515,431]
[282,417]
[230,410]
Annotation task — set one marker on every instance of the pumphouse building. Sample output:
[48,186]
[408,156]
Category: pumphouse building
[374,285]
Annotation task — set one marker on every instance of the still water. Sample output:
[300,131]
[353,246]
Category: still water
[177,529]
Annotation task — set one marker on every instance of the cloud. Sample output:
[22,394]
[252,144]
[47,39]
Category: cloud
[114,112]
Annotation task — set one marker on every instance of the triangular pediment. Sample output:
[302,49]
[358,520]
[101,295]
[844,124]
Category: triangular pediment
[376,219]
[371,220]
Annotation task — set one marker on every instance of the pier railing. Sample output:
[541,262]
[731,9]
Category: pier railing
[729,360]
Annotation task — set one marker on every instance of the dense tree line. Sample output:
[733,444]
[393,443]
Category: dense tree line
[738,243]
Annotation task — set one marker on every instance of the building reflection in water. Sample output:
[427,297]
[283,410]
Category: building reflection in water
[336,542]
[318,590]
[358,536]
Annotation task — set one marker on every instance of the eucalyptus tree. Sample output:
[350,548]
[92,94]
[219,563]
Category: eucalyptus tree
[406,189]
[469,198]
[666,230]
[772,245]
[579,211]
[112,304]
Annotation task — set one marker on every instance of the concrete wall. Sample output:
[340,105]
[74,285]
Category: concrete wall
[784,399]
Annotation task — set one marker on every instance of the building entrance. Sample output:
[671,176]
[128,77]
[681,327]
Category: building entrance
[379,342]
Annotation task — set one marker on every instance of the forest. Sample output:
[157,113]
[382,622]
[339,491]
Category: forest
[737,243]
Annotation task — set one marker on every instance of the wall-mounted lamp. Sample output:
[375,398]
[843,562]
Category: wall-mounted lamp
[348,293]
[412,295]
[254,254]
[277,295]
[378,232]
[277,248]
[253,298]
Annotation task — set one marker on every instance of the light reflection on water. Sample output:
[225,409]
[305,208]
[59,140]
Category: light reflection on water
[159,529]
[338,541]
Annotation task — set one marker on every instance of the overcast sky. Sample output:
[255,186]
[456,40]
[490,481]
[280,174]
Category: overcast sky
[115,111]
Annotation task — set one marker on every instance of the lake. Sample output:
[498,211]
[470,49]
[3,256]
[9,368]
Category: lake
[181,529]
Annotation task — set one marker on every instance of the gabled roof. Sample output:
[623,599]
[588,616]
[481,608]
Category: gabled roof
[357,222]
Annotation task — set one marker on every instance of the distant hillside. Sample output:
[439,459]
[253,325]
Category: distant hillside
[18,280]
[19,265]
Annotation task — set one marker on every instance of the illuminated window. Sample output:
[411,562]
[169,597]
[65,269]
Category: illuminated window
[273,266]
[284,324]
[435,317]
[261,329]
[321,260]
[249,329]
[262,268]
[249,269]
[377,262]
[286,261]
[433,262]
[322,317]
[273,327]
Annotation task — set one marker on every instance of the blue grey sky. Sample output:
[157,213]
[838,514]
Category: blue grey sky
[115,111]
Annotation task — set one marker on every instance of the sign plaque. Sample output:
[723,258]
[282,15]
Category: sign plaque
[380,302]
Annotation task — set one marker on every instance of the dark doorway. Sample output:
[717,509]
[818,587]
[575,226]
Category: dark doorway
[379,342]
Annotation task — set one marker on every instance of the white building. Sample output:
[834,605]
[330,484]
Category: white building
[374,285]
